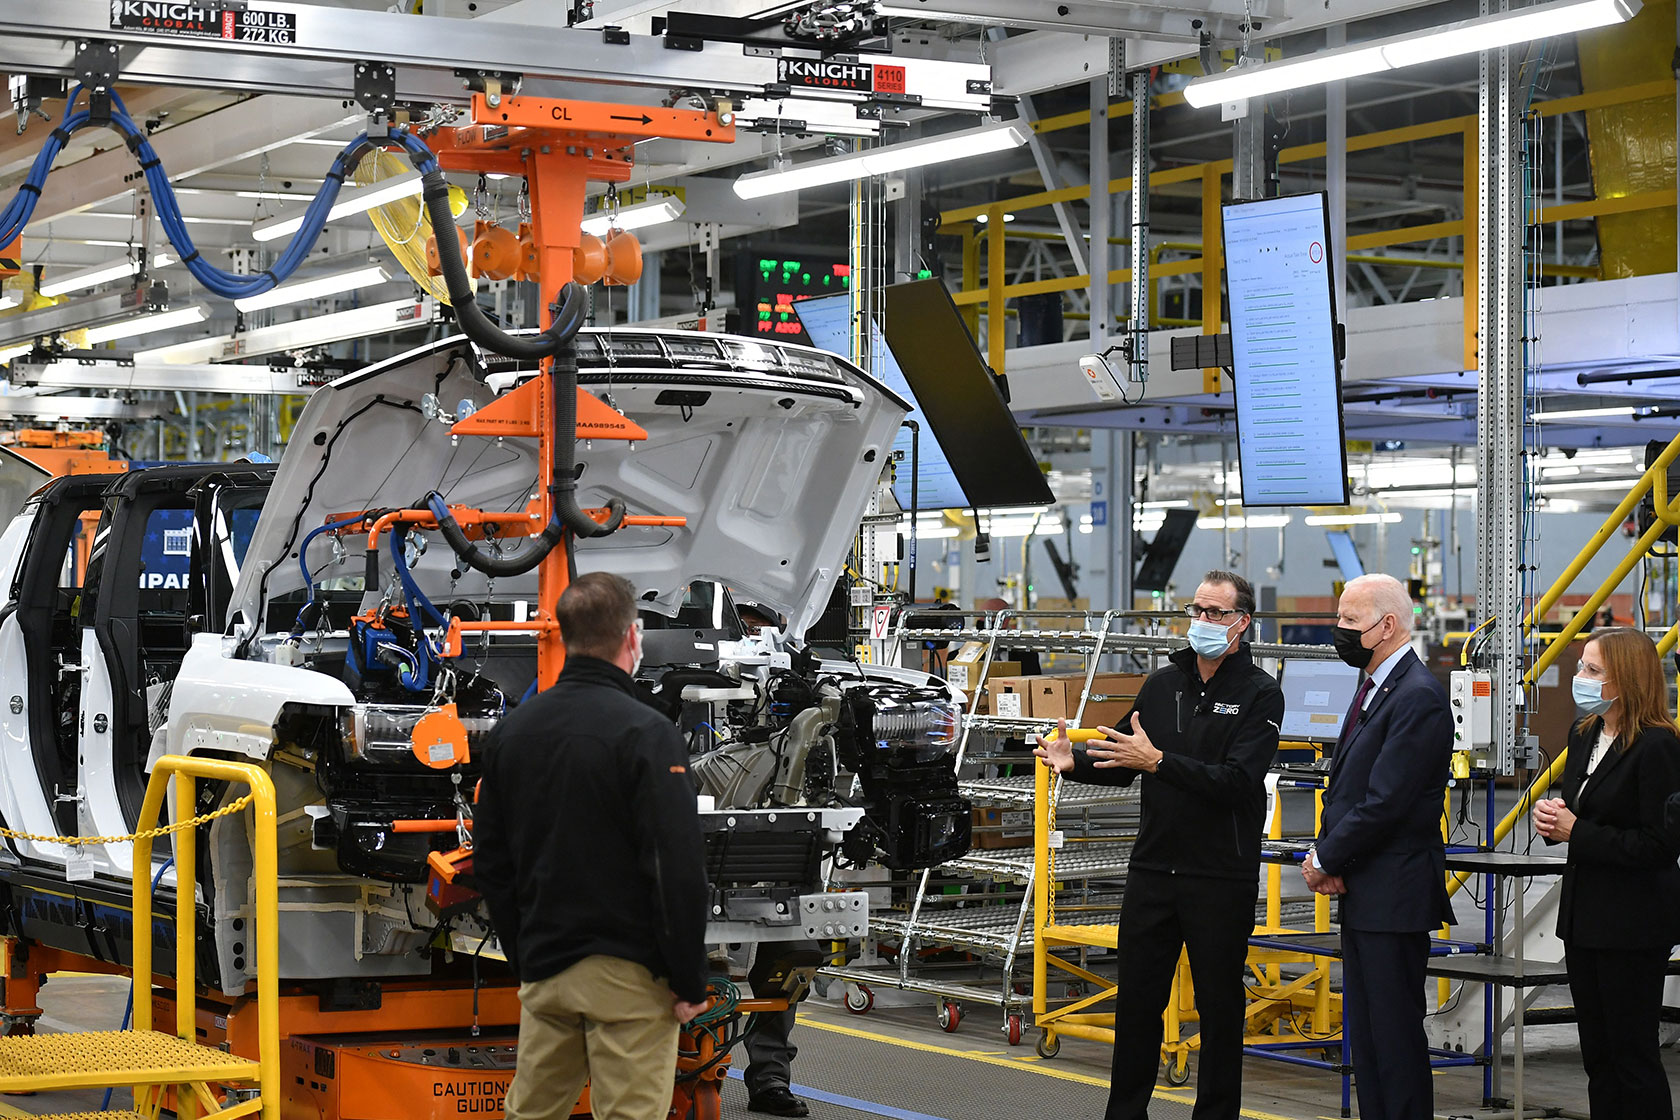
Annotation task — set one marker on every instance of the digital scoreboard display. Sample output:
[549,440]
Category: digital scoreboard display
[770,286]
[1290,446]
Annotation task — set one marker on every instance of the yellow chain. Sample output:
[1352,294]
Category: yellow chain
[149,834]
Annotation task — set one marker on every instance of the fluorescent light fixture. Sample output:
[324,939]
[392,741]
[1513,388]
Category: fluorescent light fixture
[667,208]
[351,202]
[1258,521]
[1170,503]
[1622,484]
[883,160]
[104,274]
[1333,519]
[1582,413]
[1541,21]
[1021,526]
[300,334]
[1559,470]
[315,289]
[931,532]
[983,219]
[83,313]
[147,324]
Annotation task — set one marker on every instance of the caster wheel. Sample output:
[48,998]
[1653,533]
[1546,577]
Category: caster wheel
[1048,1045]
[859,1000]
[1012,1030]
[1176,1074]
[708,1103]
[950,1016]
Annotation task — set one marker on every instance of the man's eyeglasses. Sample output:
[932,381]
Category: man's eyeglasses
[1212,614]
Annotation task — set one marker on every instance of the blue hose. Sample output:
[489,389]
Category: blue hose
[21,209]
[128,1011]
[303,562]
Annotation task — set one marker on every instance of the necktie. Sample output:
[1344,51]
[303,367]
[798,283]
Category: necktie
[1355,712]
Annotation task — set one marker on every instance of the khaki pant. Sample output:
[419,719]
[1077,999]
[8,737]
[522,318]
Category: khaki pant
[605,1022]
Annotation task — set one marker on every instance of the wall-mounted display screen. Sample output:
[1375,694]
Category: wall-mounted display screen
[1290,447]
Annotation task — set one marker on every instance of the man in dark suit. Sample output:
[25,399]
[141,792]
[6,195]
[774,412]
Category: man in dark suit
[1380,847]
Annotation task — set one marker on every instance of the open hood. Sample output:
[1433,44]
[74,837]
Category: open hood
[770,452]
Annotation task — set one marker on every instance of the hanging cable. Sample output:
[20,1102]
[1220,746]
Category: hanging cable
[21,209]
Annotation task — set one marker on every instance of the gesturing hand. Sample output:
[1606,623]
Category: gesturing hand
[1057,753]
[1133,751]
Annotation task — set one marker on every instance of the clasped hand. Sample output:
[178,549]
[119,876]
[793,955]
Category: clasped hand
[1321,882]
[1552,819]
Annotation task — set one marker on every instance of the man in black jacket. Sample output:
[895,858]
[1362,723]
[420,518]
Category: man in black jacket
[1202,733]
[587,849]
[1379,846]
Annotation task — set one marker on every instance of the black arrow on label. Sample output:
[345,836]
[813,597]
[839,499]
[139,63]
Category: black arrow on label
[644,118]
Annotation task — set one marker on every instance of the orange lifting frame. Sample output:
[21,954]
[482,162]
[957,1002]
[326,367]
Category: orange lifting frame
[559,147]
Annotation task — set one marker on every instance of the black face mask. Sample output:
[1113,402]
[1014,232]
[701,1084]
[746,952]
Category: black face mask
[1350,647]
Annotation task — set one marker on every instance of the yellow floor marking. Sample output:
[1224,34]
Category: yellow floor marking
[1007,1063]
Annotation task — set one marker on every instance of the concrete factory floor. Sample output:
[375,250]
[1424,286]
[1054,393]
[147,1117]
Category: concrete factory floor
[897,1063]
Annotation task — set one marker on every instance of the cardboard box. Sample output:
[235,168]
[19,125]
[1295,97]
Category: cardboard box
[1058,697]
[1011,697]
[963,669]
[1003,828]
[1000,670]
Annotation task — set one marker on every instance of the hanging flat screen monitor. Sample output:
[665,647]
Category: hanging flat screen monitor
[963,402]
[828,320]
[1347,555]
[1290,447]
[1161,557]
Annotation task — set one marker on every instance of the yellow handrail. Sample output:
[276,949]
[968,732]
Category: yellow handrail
[1667,509]
[1618,517]
[265,874]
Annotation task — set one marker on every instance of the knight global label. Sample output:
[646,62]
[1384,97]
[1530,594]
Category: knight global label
[816,73]
[204,21]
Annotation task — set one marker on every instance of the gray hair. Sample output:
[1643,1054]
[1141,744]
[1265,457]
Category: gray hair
[1388,596]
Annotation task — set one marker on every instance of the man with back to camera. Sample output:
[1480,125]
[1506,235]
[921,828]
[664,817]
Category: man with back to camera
[1380,849]
[588,852]
[1202,732]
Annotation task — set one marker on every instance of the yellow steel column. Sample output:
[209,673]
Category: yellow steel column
[971,277]
[997,318]
[266,872]
[1041,888]
[142,890]
[186,911]
[1213,265]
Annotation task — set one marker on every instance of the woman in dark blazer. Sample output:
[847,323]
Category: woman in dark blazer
[1619,916]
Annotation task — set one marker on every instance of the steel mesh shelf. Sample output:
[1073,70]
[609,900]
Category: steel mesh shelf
[1102,860]
[1019,792]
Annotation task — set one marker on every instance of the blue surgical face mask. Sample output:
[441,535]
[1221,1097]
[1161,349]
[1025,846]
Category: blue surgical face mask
[1209,639]
[1589,696]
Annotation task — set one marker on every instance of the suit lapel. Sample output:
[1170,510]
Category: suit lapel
[1380,694]
[1595,781]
